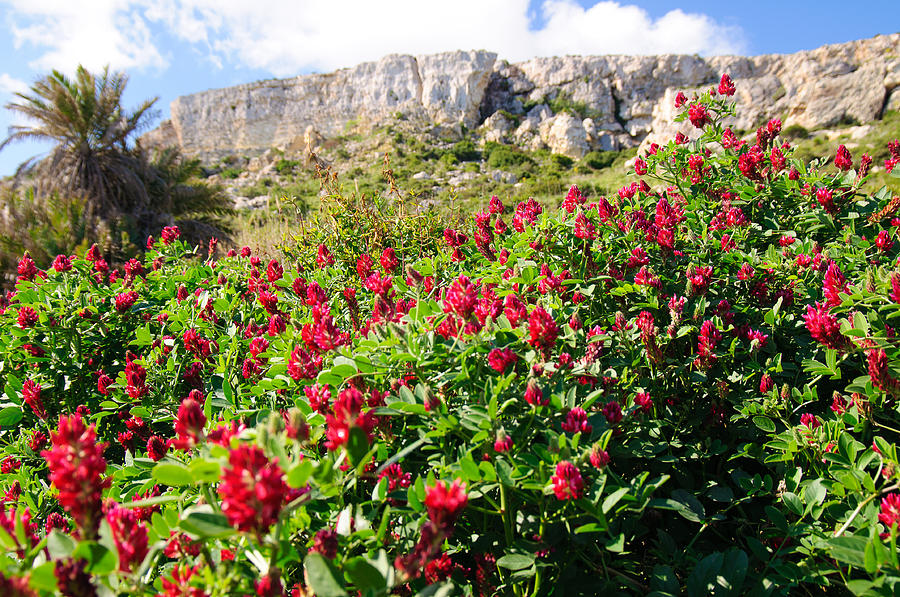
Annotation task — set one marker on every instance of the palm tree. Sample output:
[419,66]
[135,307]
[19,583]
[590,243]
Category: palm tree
[85,119]
[94,161]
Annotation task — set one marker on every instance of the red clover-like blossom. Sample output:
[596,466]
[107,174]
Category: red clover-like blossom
[76,469]
[445,503]
[726,86]
[576,421]
[542,329]
[129,535]
[698,115]
[833,285]
[890,513]
[824,327]
[252,490]
[501,358]
[534,395]
[567,481]
[189,424]
[31,395]
[843,160]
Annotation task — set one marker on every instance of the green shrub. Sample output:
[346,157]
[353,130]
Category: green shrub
[283,166]
[795,132]
[505,157]
[598,160]
[465,151]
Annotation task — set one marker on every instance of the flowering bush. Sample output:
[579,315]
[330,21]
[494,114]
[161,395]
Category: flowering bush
[687,388]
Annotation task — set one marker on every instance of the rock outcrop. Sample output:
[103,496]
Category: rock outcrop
[570,105]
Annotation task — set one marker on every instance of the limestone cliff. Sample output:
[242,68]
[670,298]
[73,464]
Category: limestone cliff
[570,104]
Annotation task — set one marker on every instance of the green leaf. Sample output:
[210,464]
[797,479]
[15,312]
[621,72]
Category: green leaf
[515,561]
[814,493]
[43,578]
[469,468]
[10,416]
[849,549]
[702,581]
[59,545]
[206,471]
[613,499]
[202,522]
[100,560]
[321,576]
[364,575]
[172,473]
[357,445]
[299,475]
[764,423]
[793,503]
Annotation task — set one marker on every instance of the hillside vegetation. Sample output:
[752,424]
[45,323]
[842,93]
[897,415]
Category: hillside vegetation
[685,387]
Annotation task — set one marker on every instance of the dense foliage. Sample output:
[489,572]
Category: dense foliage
[689,388]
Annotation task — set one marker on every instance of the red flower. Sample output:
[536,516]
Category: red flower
[129,535]
[389,260]
[567,482]
[27,317]
[883,241]
[534,395]
[461,298]
[179,585]
[445,503]
[890,512]
[824,327]
[599,457]
[324,258]
[810,421]
[576,421]
[62,263]
[583,227]
[503,443]
[326,543]
[439,569]
[643,401]
[274,271]
[76,468]
[834,285]
[495,205]
[613,412]
[825,197]
[136,378]
[189,424]
[252,490]
[396,477]
[157,448]
[37,441]
[698,115]
[170,234]
[842,159]
[501,358]
[878,370]
[680,99]
[347,414]
[838,404]
[31,395]
[726,85]
[542,329]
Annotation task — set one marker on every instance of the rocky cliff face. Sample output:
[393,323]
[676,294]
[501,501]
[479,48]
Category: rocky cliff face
[571,104]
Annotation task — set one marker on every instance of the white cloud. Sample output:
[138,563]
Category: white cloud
[94,34]
[10,85]
[285,38]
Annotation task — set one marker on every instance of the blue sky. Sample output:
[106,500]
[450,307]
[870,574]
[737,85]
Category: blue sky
[175,47]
